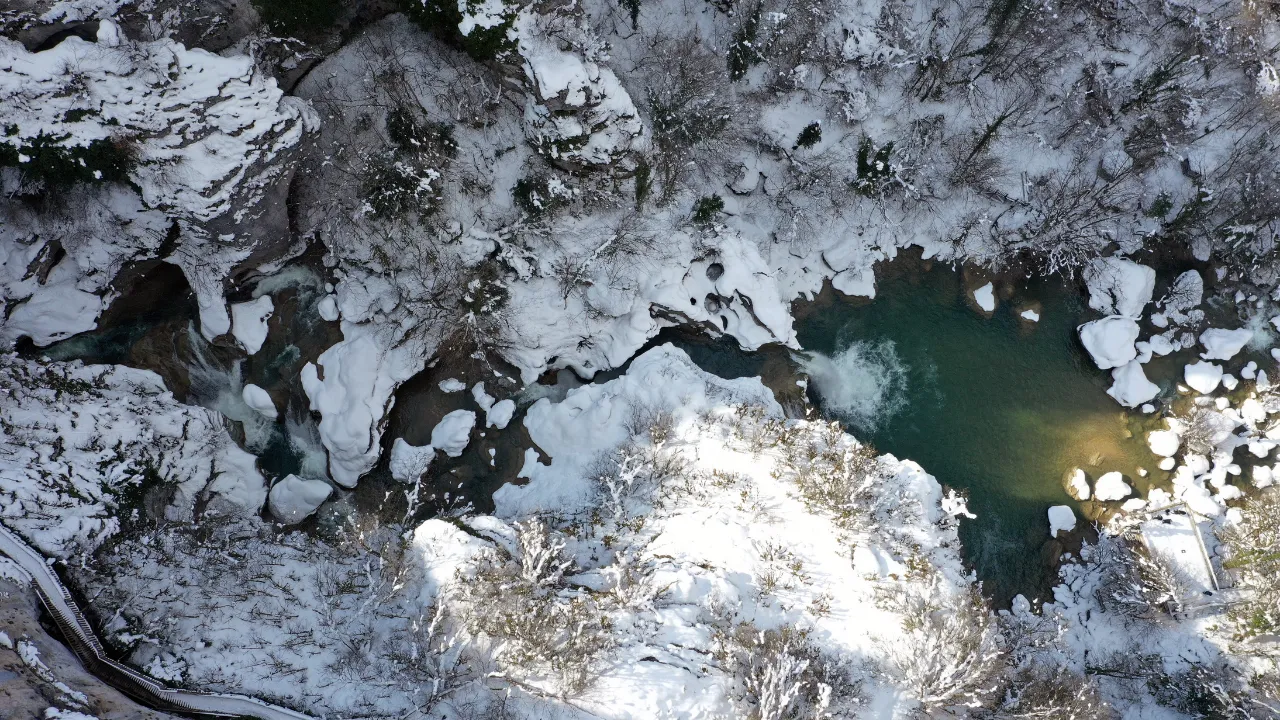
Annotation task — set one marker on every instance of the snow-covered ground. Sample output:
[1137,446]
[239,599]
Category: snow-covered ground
[549,189]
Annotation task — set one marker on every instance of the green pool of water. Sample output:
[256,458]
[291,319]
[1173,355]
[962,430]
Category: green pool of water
[993,405]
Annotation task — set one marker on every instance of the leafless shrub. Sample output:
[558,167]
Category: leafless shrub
[1135,582]
[779,674]
[1254,546]
[1040,691]
[950,653]
[538,623]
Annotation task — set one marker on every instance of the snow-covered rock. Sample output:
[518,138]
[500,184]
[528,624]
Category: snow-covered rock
[985,297]
[249,322]
[452,434]
[293,498]
[1078,485]
[327,308]
[1110,341]
[409,462]
[352,397]
[1061,519]
[1131,387]
[1030,315]
[860,283]
[1164,442]
[500,413]
[1118,286]
[1186,293]
[258,399]
[211,145]
[76,437]
[1224,344]
[1203,377]
[1111,486]
[452,385]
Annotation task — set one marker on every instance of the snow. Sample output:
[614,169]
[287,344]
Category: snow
[409,462]
[1171,535]
[293,498]
[1131,387]
[985,297]
[1111,486]
[1203,377]
[258,399]
[497,413]
[1224,344]
[452,434]
[1061,518]
[1110,341]
[1118,286]
[1030,315]
[249,322]
[210,138]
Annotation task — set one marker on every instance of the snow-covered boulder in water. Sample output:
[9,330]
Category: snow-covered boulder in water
[293,498]
[1118,286]
[1222,344]
[409,462]
[1164,442]
[1110,341]
[258,399]
[249,322]
[985,297]
[1203,377]
[1111,486]
[452,434]
[1061,519]
[1131,387]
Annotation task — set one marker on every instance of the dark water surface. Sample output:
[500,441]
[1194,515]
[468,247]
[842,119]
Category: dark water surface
[997,406]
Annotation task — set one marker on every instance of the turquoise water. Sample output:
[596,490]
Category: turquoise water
[997,406]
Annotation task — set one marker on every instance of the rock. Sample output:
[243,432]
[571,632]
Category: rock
[1133,505]
[409,462]
[452,385]
[861,283]
[249,322]
[1164,442]
[292,499]
[328,309]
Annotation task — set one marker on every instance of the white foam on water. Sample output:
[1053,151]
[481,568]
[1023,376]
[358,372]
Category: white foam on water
[864,385]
